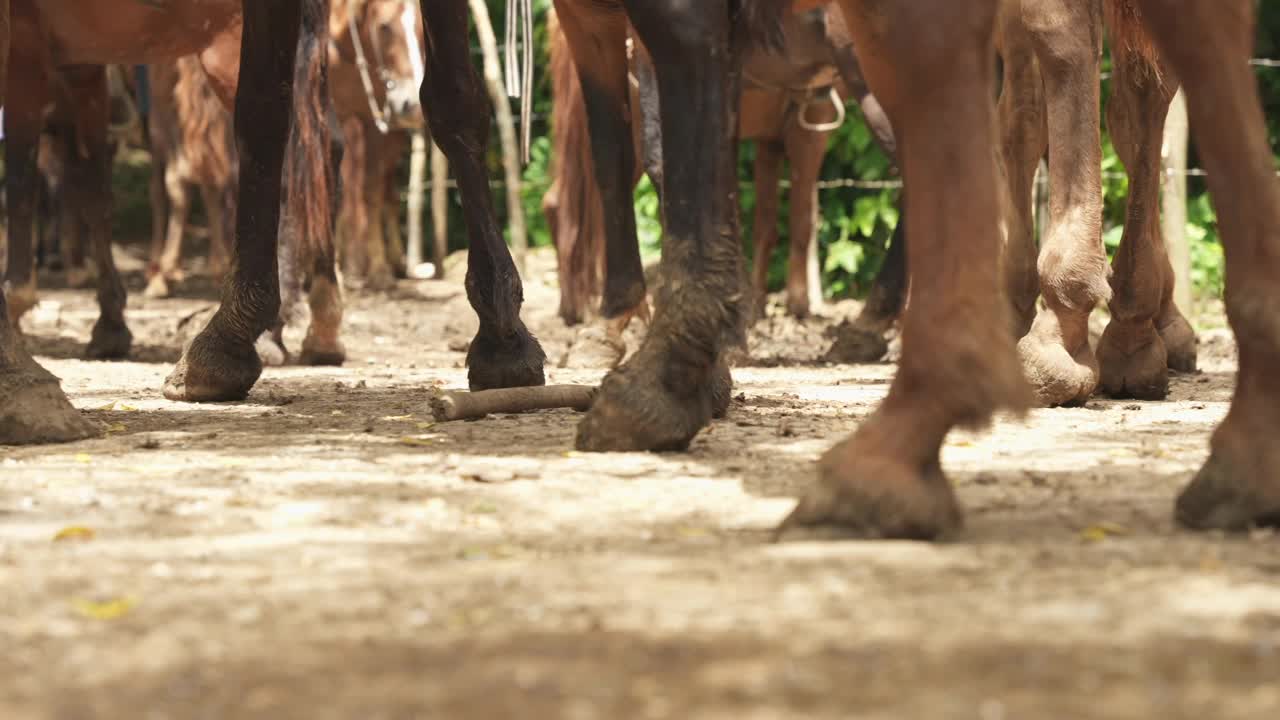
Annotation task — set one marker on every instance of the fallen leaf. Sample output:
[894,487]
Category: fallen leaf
[1102,531]
[108,407]
[74,532]
[396,418]
[416,441]
[104,610]
[116,428]
[337,412]
[424,425]
[84,458]
[127,408]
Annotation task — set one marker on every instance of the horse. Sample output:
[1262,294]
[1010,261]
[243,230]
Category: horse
[375,69]
[70,41]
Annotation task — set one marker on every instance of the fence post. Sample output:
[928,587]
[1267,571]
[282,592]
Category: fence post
[506,131]
[1173,219]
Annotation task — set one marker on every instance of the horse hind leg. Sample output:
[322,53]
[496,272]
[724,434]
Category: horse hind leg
[503,353]
[1132,352]
[179,204]
[1207,44]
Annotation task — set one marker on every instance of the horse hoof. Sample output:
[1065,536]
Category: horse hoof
[1133,361]
[721,388]
[594,348]
[1228,495]
[856,345]
[862,492]
[502,362]
[1179,344]
[316,354]
[108,341]
[637,410]
[34,410]
[1058,376]
[157,287]
[213,369]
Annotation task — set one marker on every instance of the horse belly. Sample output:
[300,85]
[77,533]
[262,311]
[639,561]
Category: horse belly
[132,31]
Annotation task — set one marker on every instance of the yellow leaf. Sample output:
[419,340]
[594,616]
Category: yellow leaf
[415,441]
[84,458]
[1102,531]
[116,427]
[74,532]
[424,425]
[109,406]
[396,418]
[128,408]
[104,610]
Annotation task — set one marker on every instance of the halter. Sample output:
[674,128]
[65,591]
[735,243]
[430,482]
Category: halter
[379,113]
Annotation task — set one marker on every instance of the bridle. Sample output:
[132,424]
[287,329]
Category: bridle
[804,98]
[380,114]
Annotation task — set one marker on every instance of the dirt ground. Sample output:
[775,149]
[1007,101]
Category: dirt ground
[322,550]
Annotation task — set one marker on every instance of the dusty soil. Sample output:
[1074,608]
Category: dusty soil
[322,550]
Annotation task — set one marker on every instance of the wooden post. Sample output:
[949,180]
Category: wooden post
[417,173]
[1173,219]
[506,131]
[439,208]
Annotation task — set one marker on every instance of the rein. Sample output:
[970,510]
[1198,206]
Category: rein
[379,113]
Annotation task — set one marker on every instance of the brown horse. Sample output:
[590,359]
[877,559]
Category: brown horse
[192,143]
[58,38]
[375,68]
[787,107]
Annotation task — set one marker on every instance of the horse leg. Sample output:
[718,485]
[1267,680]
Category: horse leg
[158,190]
[1132,353]
[503,353]
[677,380]
[397,144]
[378,274]
[23,121]
[219,204]
[805,150]
[1072,266]
[91,176]
[1208,44]
[929,63]
[221,363]
[179,202]
[764,227]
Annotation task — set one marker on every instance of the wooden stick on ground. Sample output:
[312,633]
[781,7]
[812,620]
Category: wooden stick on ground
[461,405]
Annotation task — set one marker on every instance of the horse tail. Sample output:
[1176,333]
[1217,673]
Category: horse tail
[308,172]
[204,125]
[577,206]
[1130,40]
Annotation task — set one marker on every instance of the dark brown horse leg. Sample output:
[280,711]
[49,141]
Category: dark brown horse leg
[764,227]
[669,390]
[862,341]
[1132,353]
[23,120]
[929,62]
[1208,43]
[33,408]
[597,38]
[91,178]
[221,363]
[504,353]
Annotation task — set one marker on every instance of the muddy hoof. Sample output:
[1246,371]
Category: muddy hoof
[1133,362]
[34,410]
[157,287]
[108,341]
[593,348]
[1224,496]
[317,354]
[1179,344]
[502,362]
[214,369]
[863,494]
[380,281]
[1057,376]
[721,388]
[636,409]
[854,345]
[271,351]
